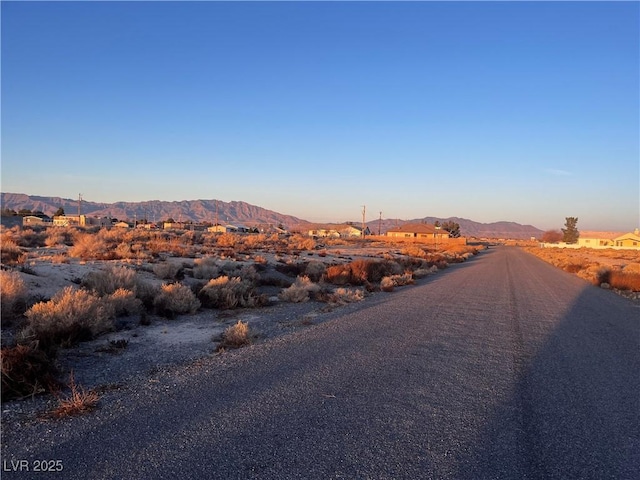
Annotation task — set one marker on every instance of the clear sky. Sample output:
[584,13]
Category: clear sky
[526,112]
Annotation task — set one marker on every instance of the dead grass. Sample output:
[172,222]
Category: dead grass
[78,402]
[596,266]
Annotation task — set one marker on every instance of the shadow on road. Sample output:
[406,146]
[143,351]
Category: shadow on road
[576,404]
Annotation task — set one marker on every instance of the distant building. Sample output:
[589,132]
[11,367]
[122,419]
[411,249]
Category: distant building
[418,230]
[81,221]
[340,230]
[628,240]
[614,240]
[40,220]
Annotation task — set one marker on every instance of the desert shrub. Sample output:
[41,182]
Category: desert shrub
[291,269]
[255,241]
[167,270]
[347,295]
[127,250]
[69,317]
[59,258]
[124,302]
[387,284]
[13,293]
[11,253]
[396,281]
[632,268]
[338,274]
[596,274]
[572,267]
[228,240]
[112,278]
[205,268]
[235,336]
[260,260]
[314,270]
[248,273]
[54,239]
[421,272]
[192,237]
[623,280]
[300,242]
[361,272]
[227,293]
[413,251]
[299,291]
[26,371]
[30,238]
[175,299]
[59,236]
[89,246]
[147,293]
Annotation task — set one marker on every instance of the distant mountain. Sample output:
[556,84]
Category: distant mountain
[468,228]
[238,213]
[155,210]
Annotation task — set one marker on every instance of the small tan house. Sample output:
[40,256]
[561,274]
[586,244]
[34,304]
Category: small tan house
[418,230]
[628,240]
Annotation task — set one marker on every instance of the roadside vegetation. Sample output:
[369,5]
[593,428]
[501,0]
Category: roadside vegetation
[607,268]
[138,275]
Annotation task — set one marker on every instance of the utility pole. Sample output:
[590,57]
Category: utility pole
[79,209]
[379,223]
[364,209]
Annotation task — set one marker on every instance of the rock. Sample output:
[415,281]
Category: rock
[605,285]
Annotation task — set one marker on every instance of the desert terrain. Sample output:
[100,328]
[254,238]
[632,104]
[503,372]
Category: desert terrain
[98,308]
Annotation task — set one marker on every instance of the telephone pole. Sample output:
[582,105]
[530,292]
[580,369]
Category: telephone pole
[79,209]
[364,210]
[379,223]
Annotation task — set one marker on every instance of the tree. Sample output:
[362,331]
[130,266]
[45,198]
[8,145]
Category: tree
[453,229]
[551,236]
[59,212]
[570,233]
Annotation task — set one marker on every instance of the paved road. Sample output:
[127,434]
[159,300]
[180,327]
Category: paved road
[502,367]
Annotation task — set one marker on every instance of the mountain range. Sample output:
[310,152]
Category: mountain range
[236,212]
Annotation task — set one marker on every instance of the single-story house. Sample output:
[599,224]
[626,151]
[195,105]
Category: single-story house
[591,239]
[628,240]
[338,230]
[228,229]
[417,230]
[81,220]
[30,220]
[122,225]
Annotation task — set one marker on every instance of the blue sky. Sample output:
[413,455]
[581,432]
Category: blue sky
[526,112]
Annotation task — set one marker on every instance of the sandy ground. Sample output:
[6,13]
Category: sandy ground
[137,351]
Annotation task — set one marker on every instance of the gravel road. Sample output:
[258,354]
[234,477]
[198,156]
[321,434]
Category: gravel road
[501,367]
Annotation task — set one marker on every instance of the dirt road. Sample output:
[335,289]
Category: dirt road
[501,367]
